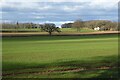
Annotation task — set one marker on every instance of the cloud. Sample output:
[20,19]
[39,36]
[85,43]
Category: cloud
[59,0]
[58,11]
[38,17]
[25,6]
[6,21]
[72,8]
[58,23]
[104,4]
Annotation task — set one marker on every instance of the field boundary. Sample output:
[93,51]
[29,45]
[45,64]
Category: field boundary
[17,34]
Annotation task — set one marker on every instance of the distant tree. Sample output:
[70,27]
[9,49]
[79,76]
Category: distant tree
[78,24]
[118,26]
[115,28]
[66,25]
[90,24]
[28,25]
[33,25]
[49,27]
[17,26]
[103,24]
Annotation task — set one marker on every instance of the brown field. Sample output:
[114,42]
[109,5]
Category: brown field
[58,34]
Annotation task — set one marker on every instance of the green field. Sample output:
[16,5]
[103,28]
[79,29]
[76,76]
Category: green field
[75,30]
[60,56]
[64,30]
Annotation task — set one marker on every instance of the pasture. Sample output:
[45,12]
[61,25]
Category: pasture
[87,56]
[64,30]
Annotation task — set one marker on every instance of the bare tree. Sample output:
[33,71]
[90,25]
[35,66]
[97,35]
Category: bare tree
[78,24]
[49,27]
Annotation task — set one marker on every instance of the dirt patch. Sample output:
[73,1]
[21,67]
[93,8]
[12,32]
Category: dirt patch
[58,34]
[59,71]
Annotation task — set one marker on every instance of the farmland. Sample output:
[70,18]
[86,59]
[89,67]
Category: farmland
[47,39]
[60,56]
[39,30]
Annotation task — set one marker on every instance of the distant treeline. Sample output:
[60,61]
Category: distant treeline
[102,24]
[20,25]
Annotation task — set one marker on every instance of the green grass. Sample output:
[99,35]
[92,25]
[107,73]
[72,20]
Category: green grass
[64,30]
[75,30]
[38,53]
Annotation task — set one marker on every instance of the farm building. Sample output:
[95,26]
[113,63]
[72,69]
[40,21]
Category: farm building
[97,28]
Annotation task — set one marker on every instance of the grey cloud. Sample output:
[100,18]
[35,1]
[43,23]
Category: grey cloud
[52,11]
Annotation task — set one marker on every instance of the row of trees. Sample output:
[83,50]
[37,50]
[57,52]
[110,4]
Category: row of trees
[47,27]
[20,25]
[78,24]
[102,24]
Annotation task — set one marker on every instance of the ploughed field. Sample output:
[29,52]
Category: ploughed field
[87,56]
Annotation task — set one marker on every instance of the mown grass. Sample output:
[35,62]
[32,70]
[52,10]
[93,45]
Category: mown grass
[38,53]
[63,30]
[75,30]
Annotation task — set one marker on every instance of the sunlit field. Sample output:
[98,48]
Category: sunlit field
[60,56]
[39,30]
[59,39]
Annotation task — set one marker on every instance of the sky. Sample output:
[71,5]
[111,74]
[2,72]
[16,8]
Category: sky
[57,11]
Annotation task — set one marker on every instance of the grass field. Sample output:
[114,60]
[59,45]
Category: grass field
[60,56]
[64,30]
[75,30]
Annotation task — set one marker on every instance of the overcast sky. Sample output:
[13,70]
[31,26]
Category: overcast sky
[58,11]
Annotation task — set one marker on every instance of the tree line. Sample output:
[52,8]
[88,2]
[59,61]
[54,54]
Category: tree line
[104,25]
[47,27]
[18,25]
